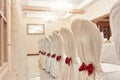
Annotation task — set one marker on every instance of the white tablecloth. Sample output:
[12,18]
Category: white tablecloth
[109,54]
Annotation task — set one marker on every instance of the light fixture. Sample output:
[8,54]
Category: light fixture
[61,5]
[49,17]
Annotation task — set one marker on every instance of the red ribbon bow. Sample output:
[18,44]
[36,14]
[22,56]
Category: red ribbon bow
[53,56]
[58,58]
[89,68]
[48,54]
[44,53]
[39,51]
[68,60]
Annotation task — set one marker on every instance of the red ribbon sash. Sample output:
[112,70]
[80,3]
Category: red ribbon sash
[39,52]
[58,58]
[53,55]
[88,68]
[44,53]
[48,54]
[68,60]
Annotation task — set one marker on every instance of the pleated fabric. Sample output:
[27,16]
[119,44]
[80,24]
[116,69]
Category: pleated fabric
[53,60]
[48,50]
[114,24]
[43,57]
[89,45]
[71,52]
[40,43]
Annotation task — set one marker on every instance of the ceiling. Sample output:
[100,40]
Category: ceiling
[54,4]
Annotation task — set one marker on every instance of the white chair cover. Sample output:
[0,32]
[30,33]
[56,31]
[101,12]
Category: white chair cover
[53,60]
[48,46]
[115,26]
[59,53]
[89,47]
[40,49]
[43,56]
[71,50]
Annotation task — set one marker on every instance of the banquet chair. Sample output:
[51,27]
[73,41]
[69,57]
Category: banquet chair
[60,57]
[48,50]
[40,51]
[43,56]
[53,55]
[114,24]
[71,52]
[113,55]
[89,48]
[89,44]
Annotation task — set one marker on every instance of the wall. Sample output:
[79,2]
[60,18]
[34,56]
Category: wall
[6,68]
[98,9]
[32,40]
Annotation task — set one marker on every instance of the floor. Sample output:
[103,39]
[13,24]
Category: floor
[42,76]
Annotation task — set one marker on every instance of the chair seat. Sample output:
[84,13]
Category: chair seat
[110,67]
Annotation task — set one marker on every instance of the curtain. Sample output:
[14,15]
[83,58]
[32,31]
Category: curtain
[19,57]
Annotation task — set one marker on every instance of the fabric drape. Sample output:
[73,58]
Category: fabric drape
[89,45]
[114,24]
[53,60]
[70,49]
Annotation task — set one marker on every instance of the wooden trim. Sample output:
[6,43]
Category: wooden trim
[46,9]
[34,54]
[101,17]
[3,67]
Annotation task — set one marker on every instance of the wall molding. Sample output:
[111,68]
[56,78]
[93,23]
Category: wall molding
[3,70]
[33,54]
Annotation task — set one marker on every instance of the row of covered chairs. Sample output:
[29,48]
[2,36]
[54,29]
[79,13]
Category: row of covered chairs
[75,54]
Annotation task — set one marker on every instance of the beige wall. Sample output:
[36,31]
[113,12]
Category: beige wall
[6,67]
[32,40]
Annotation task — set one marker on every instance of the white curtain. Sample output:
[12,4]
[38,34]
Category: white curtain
[115,26]
[19,56]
